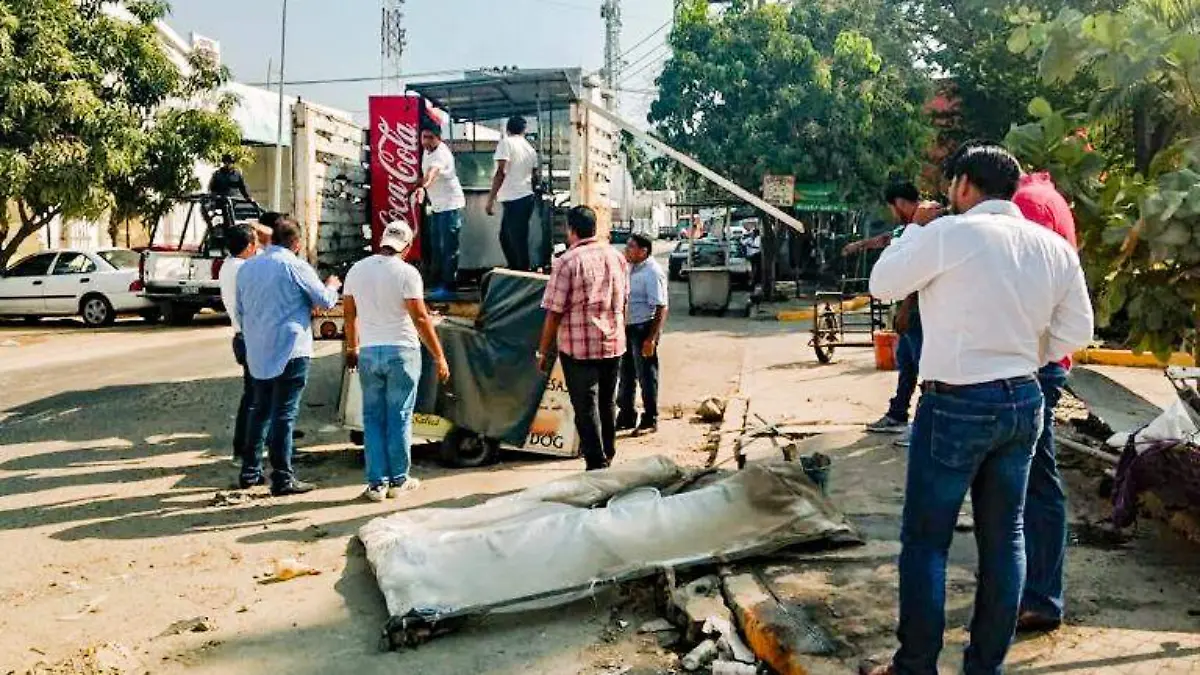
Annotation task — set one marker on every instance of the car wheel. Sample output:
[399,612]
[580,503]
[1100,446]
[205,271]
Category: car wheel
[31,320]
[97,311]
[465,449]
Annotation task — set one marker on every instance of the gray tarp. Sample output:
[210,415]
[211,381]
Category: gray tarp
[436,562]
[495,386]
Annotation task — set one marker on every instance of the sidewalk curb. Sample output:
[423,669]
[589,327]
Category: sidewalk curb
[1128,359]
[807,314]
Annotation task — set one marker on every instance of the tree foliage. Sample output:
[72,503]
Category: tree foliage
[825,91]
[1136,182]
[967,42]
[95,118]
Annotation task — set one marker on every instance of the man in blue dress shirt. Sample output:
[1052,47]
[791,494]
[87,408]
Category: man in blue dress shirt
[276,294]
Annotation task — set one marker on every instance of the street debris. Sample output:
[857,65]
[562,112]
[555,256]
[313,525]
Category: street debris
[434,565]
[704,654]
[729,642]
[108,658]
[656,626]
[199,624]
[733,668]
[288,569]
[711,410]
[90,608]
[695,604]
[231,498]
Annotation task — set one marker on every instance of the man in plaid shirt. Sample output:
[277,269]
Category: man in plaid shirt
[585,310]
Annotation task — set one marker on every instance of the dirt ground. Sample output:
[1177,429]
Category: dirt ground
[114,445]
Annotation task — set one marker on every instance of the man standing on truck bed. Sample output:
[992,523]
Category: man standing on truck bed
[446,202]
[516,163]
[228,181]
[276,293]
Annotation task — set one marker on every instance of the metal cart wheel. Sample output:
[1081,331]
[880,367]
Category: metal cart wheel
[825,335]
[465,449]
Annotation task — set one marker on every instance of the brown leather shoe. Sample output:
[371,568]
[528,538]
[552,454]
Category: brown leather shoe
[1032,622]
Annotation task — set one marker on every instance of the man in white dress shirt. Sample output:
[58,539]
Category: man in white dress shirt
[242,242]
[999,296]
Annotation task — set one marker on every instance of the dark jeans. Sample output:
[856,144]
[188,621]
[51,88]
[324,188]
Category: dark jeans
[246,405]
[276,408]
[979,438]
[444,229]
[908,362]
[638,370]
[592,386]
[514,233]
[1046,510]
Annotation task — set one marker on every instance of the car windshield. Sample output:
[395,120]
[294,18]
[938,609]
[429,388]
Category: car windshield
[121,259]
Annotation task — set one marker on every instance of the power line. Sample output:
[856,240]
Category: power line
[652,55]
[656,61]
[646,39]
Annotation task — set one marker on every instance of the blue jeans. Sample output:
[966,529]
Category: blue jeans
[275,410]
[245,412]
[638,370]
[389,377]
[979,438]
[908,362]
[444,228]
[1046,510]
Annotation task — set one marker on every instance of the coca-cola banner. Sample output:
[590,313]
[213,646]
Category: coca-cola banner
[395,165]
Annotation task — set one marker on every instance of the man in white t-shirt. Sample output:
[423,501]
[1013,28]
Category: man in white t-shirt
[242,242]
[446,201]
[386,323]
[512,186]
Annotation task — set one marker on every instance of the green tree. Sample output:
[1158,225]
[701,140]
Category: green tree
[95,118]
[1137,192]
[967,42]
[796,88]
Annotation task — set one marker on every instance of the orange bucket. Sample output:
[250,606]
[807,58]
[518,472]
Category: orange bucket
[885,349]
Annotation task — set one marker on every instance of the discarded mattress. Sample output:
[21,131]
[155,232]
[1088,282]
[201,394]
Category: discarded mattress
[549,544]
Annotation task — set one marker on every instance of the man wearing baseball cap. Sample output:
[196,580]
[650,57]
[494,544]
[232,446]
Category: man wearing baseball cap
[386,323]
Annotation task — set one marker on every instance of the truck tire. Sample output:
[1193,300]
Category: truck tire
[151,316]
[465,449]
[96,311]
[178,314]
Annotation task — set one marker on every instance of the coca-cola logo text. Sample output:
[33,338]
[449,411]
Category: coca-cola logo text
[398,151]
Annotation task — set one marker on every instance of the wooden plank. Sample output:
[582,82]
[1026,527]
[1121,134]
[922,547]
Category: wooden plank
[339,147]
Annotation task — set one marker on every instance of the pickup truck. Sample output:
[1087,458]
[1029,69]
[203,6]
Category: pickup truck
[183,278]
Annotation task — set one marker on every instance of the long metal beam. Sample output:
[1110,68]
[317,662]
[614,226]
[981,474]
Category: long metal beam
[714,177]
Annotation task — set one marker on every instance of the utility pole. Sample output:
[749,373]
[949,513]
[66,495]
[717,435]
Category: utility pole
[393,40]
[610,11]
[277,190]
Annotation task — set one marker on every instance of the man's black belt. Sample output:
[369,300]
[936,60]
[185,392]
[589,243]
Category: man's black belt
[935,387]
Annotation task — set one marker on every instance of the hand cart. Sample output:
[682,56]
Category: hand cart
[838,321]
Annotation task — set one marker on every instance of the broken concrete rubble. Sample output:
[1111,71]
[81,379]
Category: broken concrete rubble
[779,634]
[693,605]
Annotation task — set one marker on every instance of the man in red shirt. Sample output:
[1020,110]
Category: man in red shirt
[585,311]
[1045,500]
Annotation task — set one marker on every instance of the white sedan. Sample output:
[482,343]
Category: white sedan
[94,285]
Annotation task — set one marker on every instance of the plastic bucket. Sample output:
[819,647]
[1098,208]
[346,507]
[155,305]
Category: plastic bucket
[885,349]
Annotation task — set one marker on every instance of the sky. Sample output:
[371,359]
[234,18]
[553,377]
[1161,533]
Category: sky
[330,39]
